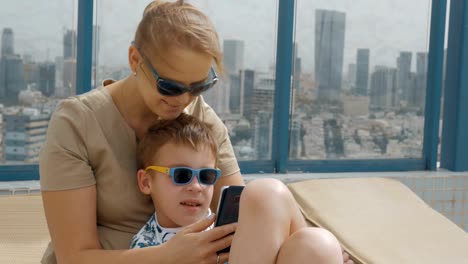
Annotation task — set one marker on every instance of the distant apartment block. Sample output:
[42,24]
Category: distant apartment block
[24,135]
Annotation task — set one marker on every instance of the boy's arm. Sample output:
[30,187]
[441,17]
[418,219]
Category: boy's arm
[233,179]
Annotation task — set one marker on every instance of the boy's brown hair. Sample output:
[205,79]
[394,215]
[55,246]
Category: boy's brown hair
[185,129]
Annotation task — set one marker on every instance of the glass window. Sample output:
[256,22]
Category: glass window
[244,98]
[359,79]
[37,69]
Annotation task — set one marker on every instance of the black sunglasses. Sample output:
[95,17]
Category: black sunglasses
[174,88]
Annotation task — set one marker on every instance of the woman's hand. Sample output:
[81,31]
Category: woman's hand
[191,245]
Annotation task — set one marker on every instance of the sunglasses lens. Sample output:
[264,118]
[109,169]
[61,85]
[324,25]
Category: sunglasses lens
[182,175]
[208,176]
[169,89]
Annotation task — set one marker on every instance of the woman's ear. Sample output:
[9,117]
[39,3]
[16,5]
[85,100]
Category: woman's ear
[133,58]
[144,181]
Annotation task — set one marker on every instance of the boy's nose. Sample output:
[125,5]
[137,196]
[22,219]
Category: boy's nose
[195,185]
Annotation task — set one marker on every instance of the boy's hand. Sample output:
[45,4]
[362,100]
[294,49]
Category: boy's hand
[346,258]
[191,245]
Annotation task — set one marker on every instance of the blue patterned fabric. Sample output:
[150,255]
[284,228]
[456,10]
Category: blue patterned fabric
[152,234]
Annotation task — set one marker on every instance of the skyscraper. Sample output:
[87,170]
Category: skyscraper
[383,95]
[233,55]
[404,75]
[235,93]
[421,79]
[262,139]
[96,42]
[297,70]
[11,79]
[248,82]
[351,76]
[421,62]
[47,78]
[362,71]
[416,90]
[95,54]
[58,75]
[11,70]
[263,93]
[69,45]
[31,72]
[218,97]
[295,137]
[234,63]
[7,42]
[69,79]
[329,47]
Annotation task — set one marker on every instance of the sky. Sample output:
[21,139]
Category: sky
[386,27]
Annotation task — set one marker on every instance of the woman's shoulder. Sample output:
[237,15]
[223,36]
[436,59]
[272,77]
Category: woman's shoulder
[200,109]
[92,99]
[85,104]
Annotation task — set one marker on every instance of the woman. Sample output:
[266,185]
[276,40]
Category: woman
[87,165]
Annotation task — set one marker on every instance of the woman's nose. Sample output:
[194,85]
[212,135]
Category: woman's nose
[182,99]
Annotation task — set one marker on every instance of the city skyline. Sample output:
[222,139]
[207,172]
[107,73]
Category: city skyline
[252,92]
[364,29]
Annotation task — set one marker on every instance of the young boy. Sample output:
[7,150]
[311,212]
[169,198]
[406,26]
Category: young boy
[179,161]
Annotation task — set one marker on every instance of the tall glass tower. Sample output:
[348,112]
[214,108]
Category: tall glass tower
[329,48]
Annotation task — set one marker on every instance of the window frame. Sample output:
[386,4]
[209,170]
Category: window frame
[280,161]
[454,149]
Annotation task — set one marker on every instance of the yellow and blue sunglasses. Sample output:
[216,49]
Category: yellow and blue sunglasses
[184,175]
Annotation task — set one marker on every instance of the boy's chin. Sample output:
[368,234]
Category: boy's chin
[188,220]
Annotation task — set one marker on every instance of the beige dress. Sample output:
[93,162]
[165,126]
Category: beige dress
[89,143]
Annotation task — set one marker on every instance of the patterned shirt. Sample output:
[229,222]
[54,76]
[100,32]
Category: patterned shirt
[153,234]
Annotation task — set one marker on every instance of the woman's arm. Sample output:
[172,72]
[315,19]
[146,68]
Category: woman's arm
[71,217]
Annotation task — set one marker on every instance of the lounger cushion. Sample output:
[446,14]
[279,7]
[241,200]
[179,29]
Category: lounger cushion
[380,220]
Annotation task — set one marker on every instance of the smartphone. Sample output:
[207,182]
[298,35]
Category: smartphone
[228,207]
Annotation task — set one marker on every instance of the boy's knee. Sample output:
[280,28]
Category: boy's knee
[264,190]
[318,240]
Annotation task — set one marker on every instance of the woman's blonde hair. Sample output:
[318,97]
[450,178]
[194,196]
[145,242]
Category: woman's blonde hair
[177,23]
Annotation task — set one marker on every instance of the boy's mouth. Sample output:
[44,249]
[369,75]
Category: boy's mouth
[190,204]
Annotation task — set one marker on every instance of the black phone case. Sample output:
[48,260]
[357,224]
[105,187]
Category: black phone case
[228,211]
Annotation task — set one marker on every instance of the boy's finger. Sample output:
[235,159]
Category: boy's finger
[223,257]
[220,232]
[199,225]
